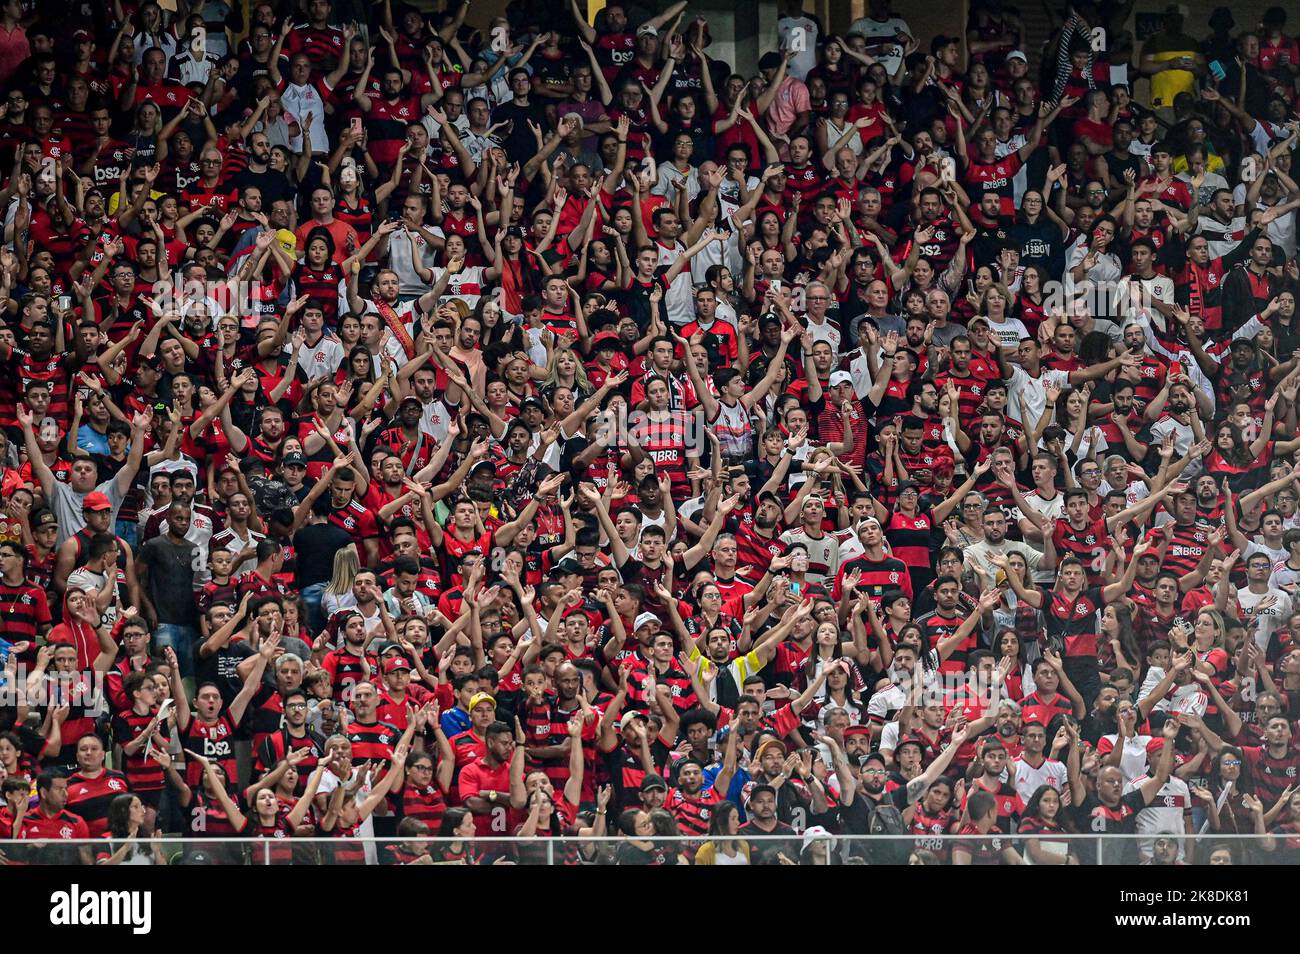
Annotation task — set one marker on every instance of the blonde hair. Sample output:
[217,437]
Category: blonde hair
[346,567]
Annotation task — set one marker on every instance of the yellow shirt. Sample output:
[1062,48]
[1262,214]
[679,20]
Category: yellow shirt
[1167,84]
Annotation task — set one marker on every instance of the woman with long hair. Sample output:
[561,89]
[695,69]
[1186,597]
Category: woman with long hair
[1118,647]
[338,591]
[457,823]
[565,370]
[1230,457]
[126,820]
[1044,815]
[723,847]
[1227,800]
[1019,681]
[932,815]
[1031,300]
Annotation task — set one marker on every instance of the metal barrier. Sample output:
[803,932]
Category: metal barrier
[1080,849]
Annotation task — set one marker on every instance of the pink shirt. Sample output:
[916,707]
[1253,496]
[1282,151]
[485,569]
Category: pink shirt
[14,48]
[791,99]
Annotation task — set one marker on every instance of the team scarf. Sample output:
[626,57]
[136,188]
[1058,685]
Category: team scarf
[396,326]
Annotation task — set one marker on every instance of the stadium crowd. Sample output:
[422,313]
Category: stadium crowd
[431,424]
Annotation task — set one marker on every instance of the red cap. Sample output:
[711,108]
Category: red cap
[96,501]
[395,663]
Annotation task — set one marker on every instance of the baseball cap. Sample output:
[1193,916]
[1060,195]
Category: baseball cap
[647,28]
[908,740]
[481,464]
[479,697]
[411,399]
[877,757]
[651,782]
[606,339]
[840,377]
[293,459]
[568,565]
[644,619]
[96,501]
[766,744]
[627,717]
[288,241]
[532,402]
[1017,55]
[399,662]
[45,518]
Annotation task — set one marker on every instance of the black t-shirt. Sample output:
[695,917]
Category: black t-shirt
[315,546]
[1094,816]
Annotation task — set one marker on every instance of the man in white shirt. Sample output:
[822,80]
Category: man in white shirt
[1268,606]
[881,30]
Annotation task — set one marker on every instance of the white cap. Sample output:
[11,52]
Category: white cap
[840,377]
[643,620]
[1017,55]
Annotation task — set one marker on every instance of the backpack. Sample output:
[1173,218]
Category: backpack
[894,847]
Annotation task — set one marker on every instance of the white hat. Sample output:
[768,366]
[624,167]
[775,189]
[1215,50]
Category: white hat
[643,619]
[840,377]
[1017,55]
[817,833]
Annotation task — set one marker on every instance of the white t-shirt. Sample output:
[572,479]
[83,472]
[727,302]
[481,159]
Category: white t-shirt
[1268,620]
[1029,779]
[889,56]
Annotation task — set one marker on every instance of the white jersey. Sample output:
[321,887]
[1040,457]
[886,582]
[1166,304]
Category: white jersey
[1029,779]
[322,358]
[1164,816]
[679,300]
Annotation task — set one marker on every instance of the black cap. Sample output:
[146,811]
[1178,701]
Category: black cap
[569,565]
[651,782]
[294,458]
[877,757]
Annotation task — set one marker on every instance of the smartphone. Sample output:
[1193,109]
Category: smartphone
[65,302]
[1217,70]
[356,125]
[948,169]
[1175,369]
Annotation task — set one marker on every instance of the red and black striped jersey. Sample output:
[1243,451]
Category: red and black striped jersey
[1089,545]
[1074,621]
[143,774]
[25,610]
[213,742]
[877,576]
[1186,547]
[936,627]
[372,743]
[427,804]
[346,671]
[909,538]
[692,811]
[90,797]
[970,392]
[322,285]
